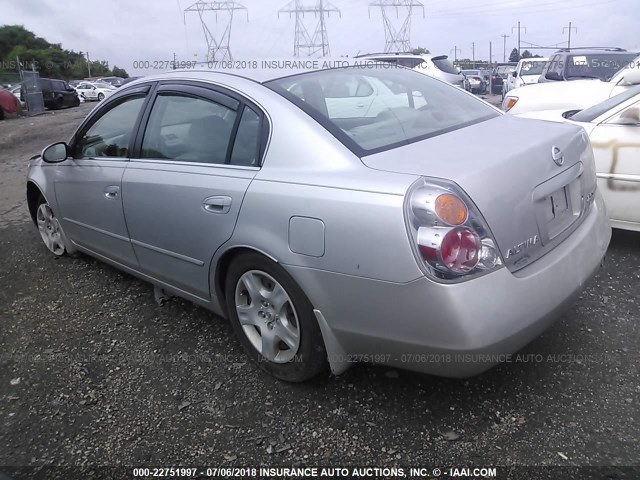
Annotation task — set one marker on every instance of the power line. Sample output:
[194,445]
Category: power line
[217,46]
[509,11]
[319,41]
[397,40]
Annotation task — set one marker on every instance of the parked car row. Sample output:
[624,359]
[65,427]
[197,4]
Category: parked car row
[607,107]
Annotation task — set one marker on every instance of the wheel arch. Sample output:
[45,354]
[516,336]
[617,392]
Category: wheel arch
[33,194]
[222,267]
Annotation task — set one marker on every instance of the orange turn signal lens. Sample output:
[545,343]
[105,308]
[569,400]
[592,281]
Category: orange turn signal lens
[450,209]
[510,103]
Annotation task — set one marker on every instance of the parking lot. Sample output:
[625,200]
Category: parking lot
[93,371]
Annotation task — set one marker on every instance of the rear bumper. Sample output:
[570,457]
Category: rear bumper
[454,330]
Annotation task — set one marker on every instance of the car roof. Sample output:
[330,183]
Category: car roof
[592,51]
[261,75]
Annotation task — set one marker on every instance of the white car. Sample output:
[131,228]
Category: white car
[94,91]
[577,94]
[614,129]
[437,66]
[526,73]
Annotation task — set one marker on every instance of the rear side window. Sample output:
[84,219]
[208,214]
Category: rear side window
[188,129]
[410,62]
[405,106]
[246,147]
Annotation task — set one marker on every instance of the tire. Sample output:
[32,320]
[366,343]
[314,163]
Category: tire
[264,324]
[76,102]
[1,114]
[49,228]
[100,97]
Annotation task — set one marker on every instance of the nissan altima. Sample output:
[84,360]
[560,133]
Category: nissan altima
[333,215]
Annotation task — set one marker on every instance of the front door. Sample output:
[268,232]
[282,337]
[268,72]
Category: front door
[183,194]
[88,187]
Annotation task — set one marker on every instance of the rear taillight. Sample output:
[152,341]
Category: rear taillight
[450,238]
[477,79]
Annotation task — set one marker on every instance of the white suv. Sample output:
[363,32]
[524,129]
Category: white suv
[437,66]
[527,72]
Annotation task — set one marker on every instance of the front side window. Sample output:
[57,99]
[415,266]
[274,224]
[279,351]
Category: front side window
[110,135]
[188,129]
[405,106]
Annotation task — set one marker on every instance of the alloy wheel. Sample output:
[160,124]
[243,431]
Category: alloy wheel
[267,316]
[50,230]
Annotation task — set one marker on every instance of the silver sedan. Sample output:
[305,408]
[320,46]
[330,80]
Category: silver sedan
[333,215]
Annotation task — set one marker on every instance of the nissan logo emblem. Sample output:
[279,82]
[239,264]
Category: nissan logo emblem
[557,156]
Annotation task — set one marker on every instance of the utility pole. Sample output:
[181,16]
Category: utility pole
[504,47]
[397,40]
[569,29]
[490,54]
[319,42]
[455,51]
[217,44]
[473,53]
[89,64]
[519,29]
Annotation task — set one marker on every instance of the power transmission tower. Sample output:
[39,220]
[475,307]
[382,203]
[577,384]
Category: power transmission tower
[217,45]
[519,29]
[397,40]
[504,46]
[569,29]
[319,41]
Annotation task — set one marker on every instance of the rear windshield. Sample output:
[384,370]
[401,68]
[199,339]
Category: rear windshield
[371,109]
[591,113]
[602,66]
[444,64]
[471,72]
[505,68]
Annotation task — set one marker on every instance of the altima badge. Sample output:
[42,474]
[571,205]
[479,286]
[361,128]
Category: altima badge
[557,156]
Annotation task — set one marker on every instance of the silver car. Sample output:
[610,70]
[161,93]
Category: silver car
[333,216]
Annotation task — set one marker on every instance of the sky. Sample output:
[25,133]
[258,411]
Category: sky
[125,32]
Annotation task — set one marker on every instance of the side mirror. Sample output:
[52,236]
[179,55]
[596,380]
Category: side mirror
[515,74]
[632,77]
[55,153]
[93,88]
[555,76]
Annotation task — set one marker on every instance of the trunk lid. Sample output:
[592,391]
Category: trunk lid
[506,167]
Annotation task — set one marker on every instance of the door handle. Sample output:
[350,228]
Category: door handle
[112,192]
[217,204]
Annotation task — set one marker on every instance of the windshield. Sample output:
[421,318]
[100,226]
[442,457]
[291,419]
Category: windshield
[602,66]
[371,109]
[443,64]
[532,68]
[591,113]
[505,69]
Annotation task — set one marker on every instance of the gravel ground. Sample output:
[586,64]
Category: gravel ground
[94,372]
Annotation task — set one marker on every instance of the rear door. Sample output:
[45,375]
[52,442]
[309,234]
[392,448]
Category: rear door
[199,152]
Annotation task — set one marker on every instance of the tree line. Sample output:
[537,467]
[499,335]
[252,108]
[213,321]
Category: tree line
[49,59]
